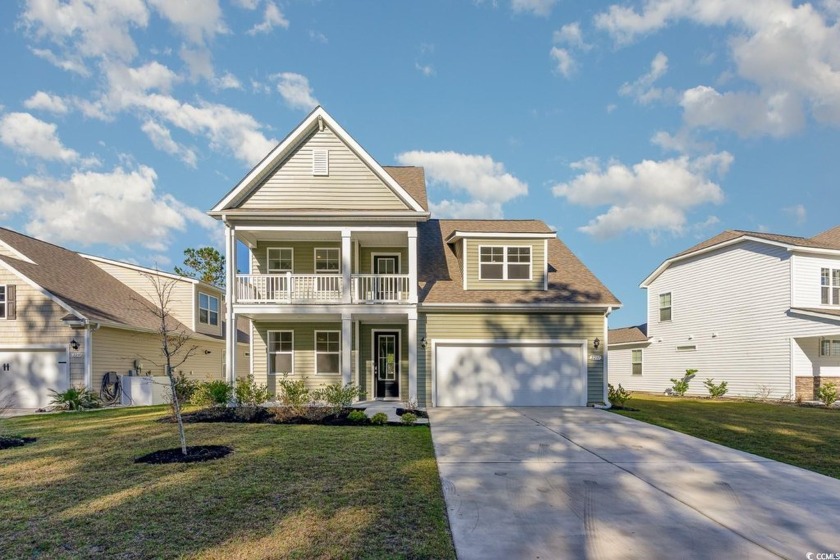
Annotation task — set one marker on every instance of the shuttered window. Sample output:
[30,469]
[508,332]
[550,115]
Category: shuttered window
[2,302]
[320,162]
[7,302]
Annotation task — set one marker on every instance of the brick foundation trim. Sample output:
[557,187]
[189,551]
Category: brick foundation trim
[807,386]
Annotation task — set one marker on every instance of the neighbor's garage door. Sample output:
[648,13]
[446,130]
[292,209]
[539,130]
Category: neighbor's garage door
[26,376]
[509,374]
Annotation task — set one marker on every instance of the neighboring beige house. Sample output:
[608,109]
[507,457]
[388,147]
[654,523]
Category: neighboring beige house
[68,319]
[758,310]
[351,280]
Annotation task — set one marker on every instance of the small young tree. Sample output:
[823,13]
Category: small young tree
[204,263]
[174,341]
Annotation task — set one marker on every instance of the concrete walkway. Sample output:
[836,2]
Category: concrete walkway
[582,483]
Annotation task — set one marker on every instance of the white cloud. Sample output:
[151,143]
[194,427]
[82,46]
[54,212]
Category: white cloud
[426,69]
[295,90]
[651,196]
[683,142]
[571,35]
[227,81]
[318,37]
[484,181]
[199,62]
[43,101]
[88,28]
[247,4]
[161,138]
[13,199]
[642,90]
[30,136]
[154,76]
[798,212]
[92,207]
[198,20]
[566,64]
[70,64]
[272,17]
[535,7]
[787,53]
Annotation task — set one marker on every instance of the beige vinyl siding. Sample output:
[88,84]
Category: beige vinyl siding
[304,352]
[181,306]
[471,264]
[38,323]
[205,328]
[516,326]
[304,255]
[366,258]
[117,349]
[366,380]
[350,185]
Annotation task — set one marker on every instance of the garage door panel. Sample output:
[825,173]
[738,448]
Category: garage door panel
[27,376]
[489,374]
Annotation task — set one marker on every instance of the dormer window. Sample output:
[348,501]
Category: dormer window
[320,162]
[504,263]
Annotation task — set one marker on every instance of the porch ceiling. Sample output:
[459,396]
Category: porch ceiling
[365,238]
[389,318]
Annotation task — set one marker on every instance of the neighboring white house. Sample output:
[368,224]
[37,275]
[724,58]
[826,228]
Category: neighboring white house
[760,311]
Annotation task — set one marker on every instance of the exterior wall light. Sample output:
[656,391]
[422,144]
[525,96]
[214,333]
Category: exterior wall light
[74,345]
[596,343]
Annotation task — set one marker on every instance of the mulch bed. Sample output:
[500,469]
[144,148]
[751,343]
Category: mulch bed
[7,442]
[259,415]
[627,408]
[416,412]
[195,454]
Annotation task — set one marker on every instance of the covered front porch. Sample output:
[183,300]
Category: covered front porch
[376,351]
[815,361]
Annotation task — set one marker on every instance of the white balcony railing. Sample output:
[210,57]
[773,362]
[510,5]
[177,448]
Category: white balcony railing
[288,288]
[321,288]
[380,288]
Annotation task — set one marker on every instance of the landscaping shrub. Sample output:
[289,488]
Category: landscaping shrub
[618,397]
[827,393]
[338,396]
[75,398]
[408,419]
[249,393]
[379,419]
[680,386]
[715,391]
[357,416]
[293,393]
[185,388]
[213,393]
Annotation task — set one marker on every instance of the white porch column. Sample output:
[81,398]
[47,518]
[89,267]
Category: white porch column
[230,316]
[346,271]
[412,266]
[412,356]
[346,348]
[89,357]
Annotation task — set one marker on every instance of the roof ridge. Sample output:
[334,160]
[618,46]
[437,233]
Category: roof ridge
[749,232]
[15,232]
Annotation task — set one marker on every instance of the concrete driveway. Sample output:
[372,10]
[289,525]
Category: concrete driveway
[582,483]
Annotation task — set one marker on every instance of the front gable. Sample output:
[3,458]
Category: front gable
[318,168]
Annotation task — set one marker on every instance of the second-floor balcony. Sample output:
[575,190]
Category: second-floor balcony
[291,288]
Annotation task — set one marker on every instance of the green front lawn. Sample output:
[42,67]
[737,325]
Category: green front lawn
[805,437]
[285,492]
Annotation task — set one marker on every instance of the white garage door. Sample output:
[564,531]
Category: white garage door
[505,373]
[26,376]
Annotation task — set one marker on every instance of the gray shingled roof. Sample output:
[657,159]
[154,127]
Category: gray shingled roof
[439,274]
[628,335]
[829,239]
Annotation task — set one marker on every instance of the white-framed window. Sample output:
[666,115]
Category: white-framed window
[500,262]
[665,307]
[830,286]
[687,348]
[328,261]
[320,162]
[636,361]
[829,347]
[208,309]
[2,302]
[328,352]
[281,352]
[280,260]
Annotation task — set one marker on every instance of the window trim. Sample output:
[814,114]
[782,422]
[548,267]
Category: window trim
[833,289]
[373,261]
[4,302]
[316,352]
[831,342]
[505,263]
[640,363]
[268,268]
[670,307]
[315,260]
[209,311]
[269,352]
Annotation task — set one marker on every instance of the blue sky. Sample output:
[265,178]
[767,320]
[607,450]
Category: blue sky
[636,129]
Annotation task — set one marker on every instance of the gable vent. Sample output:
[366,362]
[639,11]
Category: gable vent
[320,162]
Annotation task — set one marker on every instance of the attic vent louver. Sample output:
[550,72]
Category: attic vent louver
[320,162]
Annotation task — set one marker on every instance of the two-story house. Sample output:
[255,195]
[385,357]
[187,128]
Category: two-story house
[69,319]
[350,280]
[758,310]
